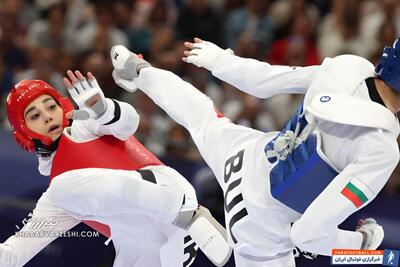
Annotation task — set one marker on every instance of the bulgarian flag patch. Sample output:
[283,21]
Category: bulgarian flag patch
[357,192]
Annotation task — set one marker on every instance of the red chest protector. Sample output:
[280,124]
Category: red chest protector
[105,152]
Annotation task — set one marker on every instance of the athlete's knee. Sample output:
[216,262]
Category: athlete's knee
[124,188]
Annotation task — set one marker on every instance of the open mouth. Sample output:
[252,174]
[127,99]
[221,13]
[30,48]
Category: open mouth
[54,128]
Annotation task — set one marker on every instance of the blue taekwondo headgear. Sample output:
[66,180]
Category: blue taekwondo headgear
[388,67]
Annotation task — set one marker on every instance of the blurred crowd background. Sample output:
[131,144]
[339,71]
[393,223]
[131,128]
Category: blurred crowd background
[41,39]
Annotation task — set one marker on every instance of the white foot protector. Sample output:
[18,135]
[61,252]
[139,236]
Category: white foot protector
[372,234]
[210,236]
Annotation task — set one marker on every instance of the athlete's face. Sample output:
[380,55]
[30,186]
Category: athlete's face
[45,117]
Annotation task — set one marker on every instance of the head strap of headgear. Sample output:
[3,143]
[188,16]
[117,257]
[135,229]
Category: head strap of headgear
[388,67]
[20,96]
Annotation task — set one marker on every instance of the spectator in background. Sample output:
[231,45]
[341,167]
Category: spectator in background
[100,34]
[59,23]
[24,11]
[384,37]
[200,78]
[245,46]
[383,24]
[282,13]
[82,31]
[6,82]
[393,185]
[298,48]
[42,66]
[101,66]
[209,192]
[281,107]
[253,115]
[297,53]
[122,13]
[233,4]
[162,14]
[50,30]
[391,9]
[379,13]
[197,18]
[249,23]
[165,50]
[13,50]
[148,18]
[154,126]
[341,31]
[179,144]
[181,153]
[272,114]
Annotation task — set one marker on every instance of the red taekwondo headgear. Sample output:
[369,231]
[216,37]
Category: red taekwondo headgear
[19,98]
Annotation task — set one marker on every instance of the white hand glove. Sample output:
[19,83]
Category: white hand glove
[89,97]
[127,66]
[204,54]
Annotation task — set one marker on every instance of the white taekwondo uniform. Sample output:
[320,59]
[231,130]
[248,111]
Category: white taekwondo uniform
[350,137]
[139,213]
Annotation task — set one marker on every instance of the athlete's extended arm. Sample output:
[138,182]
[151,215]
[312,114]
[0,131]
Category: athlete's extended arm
[249,75]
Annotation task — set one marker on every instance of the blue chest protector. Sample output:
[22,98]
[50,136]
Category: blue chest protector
[300,174]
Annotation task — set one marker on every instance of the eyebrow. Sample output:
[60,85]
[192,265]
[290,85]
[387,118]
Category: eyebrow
[33,108]
[47,99]
[29,110]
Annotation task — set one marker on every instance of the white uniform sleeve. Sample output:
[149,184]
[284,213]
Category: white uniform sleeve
[120,120]
[373,158]
[25,244]
[262,79]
